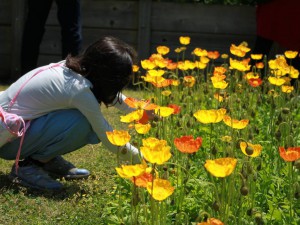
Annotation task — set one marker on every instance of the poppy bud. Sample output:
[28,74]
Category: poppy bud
[297,164]
[285,110]
[153,124]
[244,190]
[216,206]
[278,135]
[214,150]
[258,218]
[249,150]
[250,212]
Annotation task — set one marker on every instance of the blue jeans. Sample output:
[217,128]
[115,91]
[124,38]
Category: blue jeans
[56,133]
[69,17]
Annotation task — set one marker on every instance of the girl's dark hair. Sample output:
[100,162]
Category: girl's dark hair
[107,63]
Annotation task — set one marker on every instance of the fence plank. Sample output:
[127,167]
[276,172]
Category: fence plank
[18,8]
[196,18]
[105,14]
[144,28]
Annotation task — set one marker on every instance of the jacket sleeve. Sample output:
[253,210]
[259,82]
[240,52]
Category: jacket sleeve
[87,104]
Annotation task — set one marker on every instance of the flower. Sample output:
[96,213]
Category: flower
[212,221]
[162,83]
[213,54]
[236,124]
[220,84]
[291,154]
[287,89]
[187,144]
[221,167]
[210,116]
[118,137]
[256,56]
[156,73]
[163,50]
[178,50]
[290,54]
[219,97]
[184,40]
[176,108]
[250,149]
[142,128]
[259,65]
[155,150]
[140,104]
[240,65]
[147,64]
[200,52]
[164,111]
[189,81]
[129,171]
[255,82]
[160,189]
[143,179]
[166,92]
[276,81]
[135,68]
[133,116]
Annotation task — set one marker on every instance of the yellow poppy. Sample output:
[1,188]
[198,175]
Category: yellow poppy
[219,97]
[236,124]
[252,75]
[155,150]
[220,84]
[189,81]
[156,73]
[294,73]
[184,40]
[147,64]
[237,51]
[210,116]
[250,149]
[151,79]
[166,92]
[224,56]
[240,65]
[164,111]
[200,65]
[129,171]
[221,167]
[160,189]
[142,128]
[290,54]
[276,81]
[135,68]
[178,50]
[133,116]
[200,52]
[175,82]
[204,59]
[118,137]
[256,56]
[287,89]
[163,50]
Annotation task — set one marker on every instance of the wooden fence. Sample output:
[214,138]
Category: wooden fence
[144,24]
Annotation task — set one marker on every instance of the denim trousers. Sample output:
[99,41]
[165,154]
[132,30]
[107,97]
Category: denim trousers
[69,17]
[53,134]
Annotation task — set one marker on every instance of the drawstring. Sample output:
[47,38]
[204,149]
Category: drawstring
[25,126]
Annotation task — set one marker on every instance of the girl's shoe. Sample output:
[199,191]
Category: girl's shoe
[34,177]
[59,167]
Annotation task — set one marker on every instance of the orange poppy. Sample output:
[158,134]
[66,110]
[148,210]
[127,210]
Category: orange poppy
[213,54]
[291,154]
[255,82]
[176,108]
[143,179]
[140,104]
[212,221]
[187,144]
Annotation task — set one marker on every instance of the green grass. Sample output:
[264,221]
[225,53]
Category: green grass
[81,201]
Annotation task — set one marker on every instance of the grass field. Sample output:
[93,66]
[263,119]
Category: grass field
[81,202]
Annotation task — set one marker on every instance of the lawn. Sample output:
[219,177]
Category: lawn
[81,202]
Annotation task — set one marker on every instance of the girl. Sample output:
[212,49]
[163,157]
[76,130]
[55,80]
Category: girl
[61,101]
